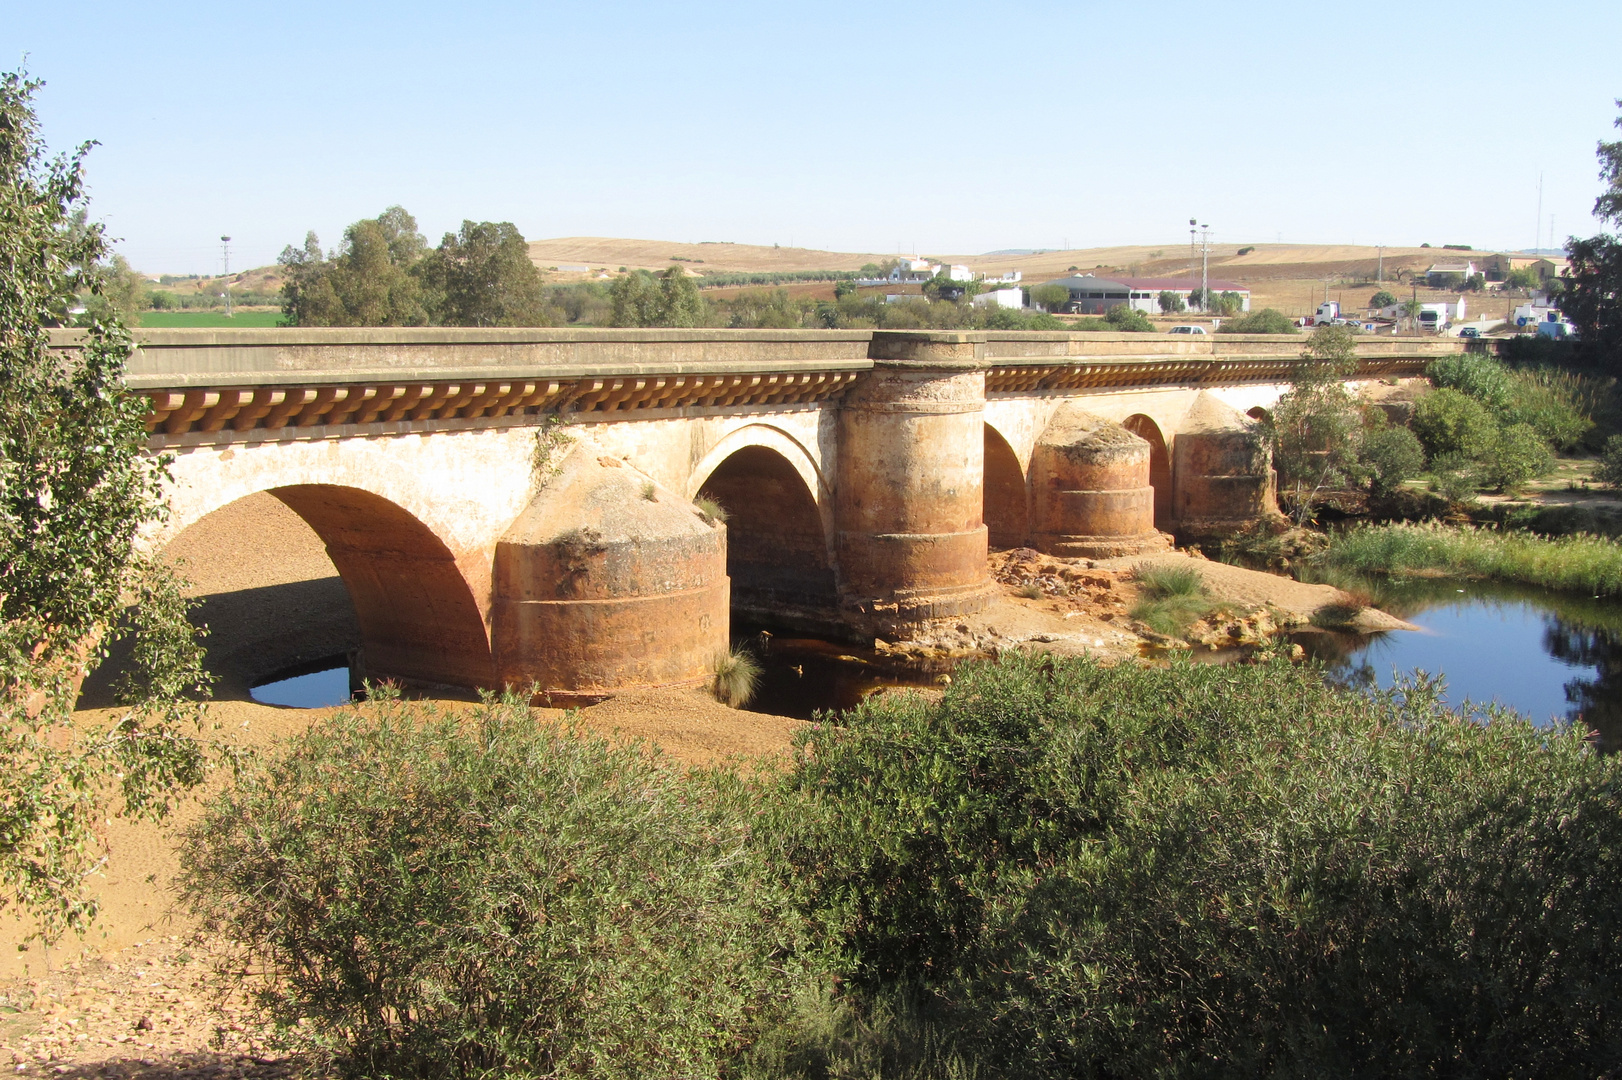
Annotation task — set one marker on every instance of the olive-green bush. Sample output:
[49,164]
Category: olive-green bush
[1058,869]
[1236,871]
[440,894]
[1264,321]
[1390,454]
[1516,454]
[1559,405]
[1449,421]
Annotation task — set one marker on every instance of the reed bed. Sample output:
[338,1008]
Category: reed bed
[1581,562]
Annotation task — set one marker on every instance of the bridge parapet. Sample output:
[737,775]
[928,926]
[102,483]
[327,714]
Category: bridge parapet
[213,385]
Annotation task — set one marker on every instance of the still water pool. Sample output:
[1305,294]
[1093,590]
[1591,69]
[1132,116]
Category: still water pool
[1552,656]
[316,686]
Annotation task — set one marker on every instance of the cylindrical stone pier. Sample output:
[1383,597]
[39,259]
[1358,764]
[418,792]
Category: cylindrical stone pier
[1224,472]
[1092,496]
[608,583]
[911,477]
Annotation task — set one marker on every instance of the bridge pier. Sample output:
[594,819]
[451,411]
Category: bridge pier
[1091,485]
[1223,471]
[608,581]
[911,486]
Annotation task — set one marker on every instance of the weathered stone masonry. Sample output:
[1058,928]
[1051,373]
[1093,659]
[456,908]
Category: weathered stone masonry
[864,474]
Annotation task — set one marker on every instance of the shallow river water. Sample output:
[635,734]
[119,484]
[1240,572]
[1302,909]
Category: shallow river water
[1552,656]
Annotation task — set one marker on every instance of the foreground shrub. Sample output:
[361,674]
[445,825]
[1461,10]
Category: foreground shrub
[1222,872]
[1265,321]
[1390,455]
[1481,376]
[473,894]
[1517,454]
[1609,469]
[737,674]
[1561,406]
[1579,563]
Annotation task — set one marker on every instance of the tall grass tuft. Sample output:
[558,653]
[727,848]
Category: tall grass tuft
[737,674]
[1172,598]
[711,511]
[1578,563]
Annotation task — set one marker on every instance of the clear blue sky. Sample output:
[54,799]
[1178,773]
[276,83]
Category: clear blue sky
[943,127]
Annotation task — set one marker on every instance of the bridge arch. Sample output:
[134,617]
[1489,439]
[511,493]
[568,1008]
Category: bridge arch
[1160,477]
[777,545]
[417,614]
[1007,511]
[789,448]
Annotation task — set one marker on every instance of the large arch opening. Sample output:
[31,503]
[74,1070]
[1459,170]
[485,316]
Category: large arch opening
[1007,498]
[294,578]
[266,589]
[418,618]
[1159,467]
[777,555]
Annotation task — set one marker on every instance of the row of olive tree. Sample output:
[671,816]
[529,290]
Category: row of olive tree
[384,274]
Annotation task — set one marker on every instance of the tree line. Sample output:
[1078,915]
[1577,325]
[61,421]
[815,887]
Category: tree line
[384,274]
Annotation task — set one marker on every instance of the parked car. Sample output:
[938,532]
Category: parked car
[1186,330]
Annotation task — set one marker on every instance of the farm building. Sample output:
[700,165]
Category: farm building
[1091,295]
[1499,267]
[1450,275]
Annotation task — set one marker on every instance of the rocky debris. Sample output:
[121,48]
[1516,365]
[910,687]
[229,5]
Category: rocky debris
[1026,568]
[155,1009]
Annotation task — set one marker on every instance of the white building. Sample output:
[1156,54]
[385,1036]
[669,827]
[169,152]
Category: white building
[911,270]
[1465,270]
[1002,298]
[1091,295]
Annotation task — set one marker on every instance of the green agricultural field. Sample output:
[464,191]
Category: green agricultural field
[171,319]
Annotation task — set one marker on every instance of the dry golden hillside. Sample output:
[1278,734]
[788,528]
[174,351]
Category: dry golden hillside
[1290,277]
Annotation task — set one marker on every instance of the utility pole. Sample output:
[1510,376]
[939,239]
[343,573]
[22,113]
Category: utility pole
[225,244]
[1538,234]
[1191,224]
[1379,271]
[1205,267]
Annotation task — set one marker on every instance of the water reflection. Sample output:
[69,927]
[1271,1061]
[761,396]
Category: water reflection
[1549,655]
[316,685]
[801,677]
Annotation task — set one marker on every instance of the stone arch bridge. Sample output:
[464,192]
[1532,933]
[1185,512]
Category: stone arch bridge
[515,506]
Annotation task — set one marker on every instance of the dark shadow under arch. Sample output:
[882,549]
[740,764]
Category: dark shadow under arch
[418,617]
[1259,413]
[777,555]
[1159,466]
[1007,496]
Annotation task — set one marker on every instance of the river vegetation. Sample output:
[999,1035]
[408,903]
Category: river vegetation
[1578,563]
[1057,869]
[1171,599]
